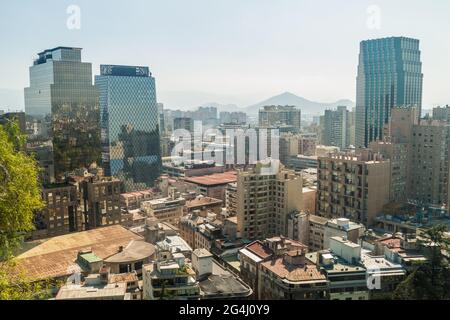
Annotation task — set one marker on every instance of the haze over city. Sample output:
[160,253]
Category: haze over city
[228,52]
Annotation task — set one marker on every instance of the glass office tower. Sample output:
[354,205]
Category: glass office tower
[130,125]
[389,75]
[61,90]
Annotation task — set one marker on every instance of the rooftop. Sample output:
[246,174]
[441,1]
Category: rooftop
[214,179]
[202,201]
[293,273]
[317,219]
[81,292]
[202,253]
[174,244]
[55,257]
[257,251]
[134,251]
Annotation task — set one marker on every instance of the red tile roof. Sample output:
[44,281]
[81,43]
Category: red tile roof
[259,249]
[214,179]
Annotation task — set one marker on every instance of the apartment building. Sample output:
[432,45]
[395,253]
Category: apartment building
[100,200]
[266,194]
[61,213]
[254,254]
[353,185]
[430,143]
[168,209]
[290,277]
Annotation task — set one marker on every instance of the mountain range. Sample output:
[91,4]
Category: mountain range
[285,99]
[307,106]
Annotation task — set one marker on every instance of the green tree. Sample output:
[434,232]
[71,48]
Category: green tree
[19,188]
[431,280]
[19,198]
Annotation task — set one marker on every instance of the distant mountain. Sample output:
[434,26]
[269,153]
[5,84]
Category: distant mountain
[307,106]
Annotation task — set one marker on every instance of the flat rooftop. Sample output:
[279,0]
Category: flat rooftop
[223,283]
[214,179]
[202,201]
[80,292]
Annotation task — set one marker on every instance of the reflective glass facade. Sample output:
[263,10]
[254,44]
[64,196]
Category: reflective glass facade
[61,87]
[130,125]
[389,75]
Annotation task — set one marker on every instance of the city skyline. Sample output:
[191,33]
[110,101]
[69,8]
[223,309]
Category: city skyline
[243,59]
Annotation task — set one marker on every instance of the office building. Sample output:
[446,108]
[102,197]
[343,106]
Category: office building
[61,86]
[389,75]
[271,116]
[130,125]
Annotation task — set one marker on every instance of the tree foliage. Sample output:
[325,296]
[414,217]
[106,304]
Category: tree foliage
[15,285]
[431,280]
[19,188]
[19,198]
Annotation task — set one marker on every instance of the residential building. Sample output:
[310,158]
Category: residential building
[100,200]
[389,75]
[266,194]
[353,186]
[132,200]
[289,147]
[203,203]
[231,199]
[250,257]
[343,228]
[170,276]
[130,125]
[347,279]
[61,86]
[307,144]
[335,128]
[165,209]
[429,163]
[290,277]
[61,213]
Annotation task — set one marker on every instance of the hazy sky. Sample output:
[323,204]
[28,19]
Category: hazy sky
[228,51]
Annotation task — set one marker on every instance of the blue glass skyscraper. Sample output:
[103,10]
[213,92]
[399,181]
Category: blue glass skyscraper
[389,75]
[129,125]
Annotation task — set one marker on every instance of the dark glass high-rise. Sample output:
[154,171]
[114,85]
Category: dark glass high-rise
[130,125]
[389,75]
[61,90]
